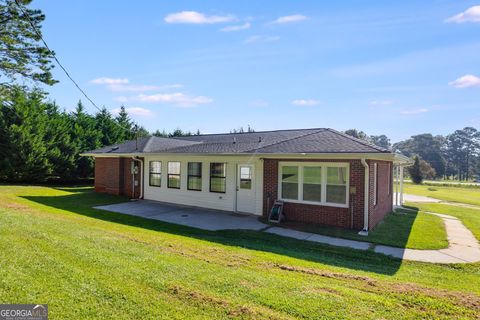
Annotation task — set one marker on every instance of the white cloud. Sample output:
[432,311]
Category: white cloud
[123,85]
[305,102]
[381,102]
[136,111]
[140,88]
[472,14]
[468,80]
[289,19]
[178,99]
[109,81]
[244,26]
[258,38]
[193,17]
[414,111]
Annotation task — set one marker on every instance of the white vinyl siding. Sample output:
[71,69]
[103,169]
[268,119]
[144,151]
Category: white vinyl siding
[320,183]
[205,198]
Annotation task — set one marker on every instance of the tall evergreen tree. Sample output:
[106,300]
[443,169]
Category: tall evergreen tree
[22,55]
[85,137]
[415,171]
[24,138]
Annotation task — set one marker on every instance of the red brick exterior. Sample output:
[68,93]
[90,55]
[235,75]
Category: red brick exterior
[384,203]
[351,217]
[113,176]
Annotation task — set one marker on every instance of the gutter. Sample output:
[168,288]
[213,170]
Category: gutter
[366,192]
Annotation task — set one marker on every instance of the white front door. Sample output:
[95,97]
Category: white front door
[246,188]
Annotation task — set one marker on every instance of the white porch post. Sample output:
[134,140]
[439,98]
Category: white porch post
[396,185]
[401,185]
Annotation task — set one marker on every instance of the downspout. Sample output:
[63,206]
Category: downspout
[140,172]
[366,191]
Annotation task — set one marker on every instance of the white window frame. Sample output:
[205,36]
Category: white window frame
[324,166]
[375,182]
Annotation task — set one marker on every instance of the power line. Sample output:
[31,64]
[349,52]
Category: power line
[39,34]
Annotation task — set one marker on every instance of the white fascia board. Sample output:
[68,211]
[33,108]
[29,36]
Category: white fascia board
[370,156]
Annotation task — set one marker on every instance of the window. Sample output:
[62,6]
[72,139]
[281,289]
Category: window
[337,185]
[312,184]
[245,177]
[173,175]
[155,173]
[375,183]
[290,182]
[217,177]
[194,179]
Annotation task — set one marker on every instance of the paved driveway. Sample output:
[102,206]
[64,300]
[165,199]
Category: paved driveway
[188,216]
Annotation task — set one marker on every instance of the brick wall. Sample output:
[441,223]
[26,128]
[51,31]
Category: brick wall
[113,176]
[384,203]
[351,217]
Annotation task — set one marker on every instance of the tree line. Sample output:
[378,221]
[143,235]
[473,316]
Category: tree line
[453,156]
[40,141]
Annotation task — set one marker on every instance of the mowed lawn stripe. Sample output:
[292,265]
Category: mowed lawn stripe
[91,268]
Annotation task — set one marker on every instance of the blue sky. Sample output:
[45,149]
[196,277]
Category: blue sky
[386,67]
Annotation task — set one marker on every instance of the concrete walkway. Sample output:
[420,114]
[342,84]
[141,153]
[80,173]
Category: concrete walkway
[416,198]
[463,246]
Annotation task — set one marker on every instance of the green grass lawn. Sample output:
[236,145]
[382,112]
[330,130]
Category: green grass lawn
[414,230]
[87,263]
[469,216]
[455,194]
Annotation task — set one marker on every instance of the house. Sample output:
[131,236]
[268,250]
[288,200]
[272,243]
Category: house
[322,175]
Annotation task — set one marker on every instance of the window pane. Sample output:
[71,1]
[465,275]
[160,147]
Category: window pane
[312,183]
[337,175]
[195,168]
[217,177]
[155,179]
[337,185]
[290,182]
[194,183]
[217,184]
[245,173]
[217,169]
[155,167]
[174,167]
[337,194]
[245,184]
[174,181]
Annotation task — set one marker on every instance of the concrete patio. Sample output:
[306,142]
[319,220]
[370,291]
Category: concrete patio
[201,218]
[463,246]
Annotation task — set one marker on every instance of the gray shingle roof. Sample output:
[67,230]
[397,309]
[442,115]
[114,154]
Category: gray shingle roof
[281,141]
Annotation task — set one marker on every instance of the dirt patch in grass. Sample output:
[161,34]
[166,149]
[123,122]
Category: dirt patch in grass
[15,206]
[323,290]
[466,300]
[326,274]
[202,299]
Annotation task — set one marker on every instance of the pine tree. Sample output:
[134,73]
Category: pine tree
[85,137]
[416,172]
[24,133]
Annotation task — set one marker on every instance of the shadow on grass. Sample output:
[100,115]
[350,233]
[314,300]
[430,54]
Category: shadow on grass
[393,230]
[82,201]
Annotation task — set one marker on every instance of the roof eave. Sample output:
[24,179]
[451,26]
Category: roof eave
[387,156]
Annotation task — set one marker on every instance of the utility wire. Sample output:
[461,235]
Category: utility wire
[39,34]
